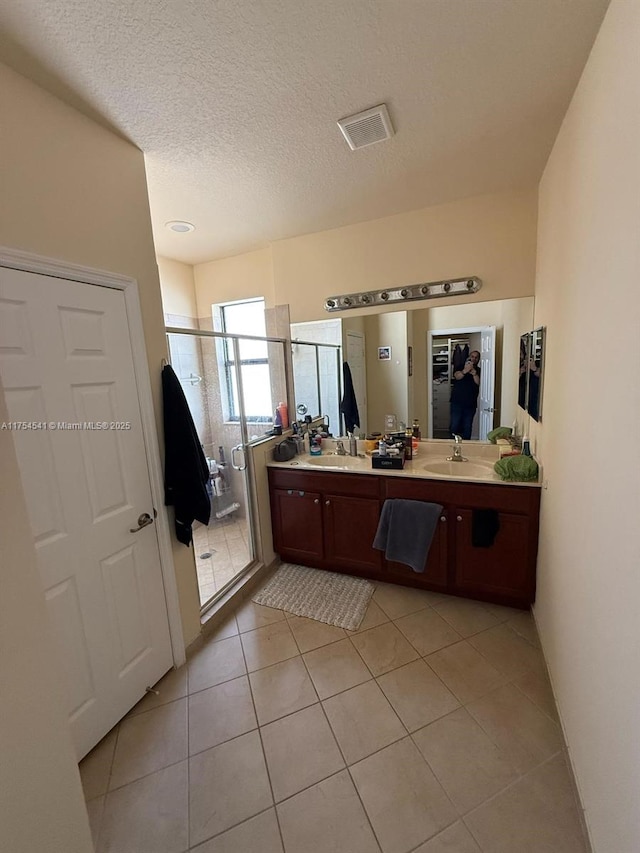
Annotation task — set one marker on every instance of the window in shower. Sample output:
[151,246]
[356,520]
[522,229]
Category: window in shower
[252,362]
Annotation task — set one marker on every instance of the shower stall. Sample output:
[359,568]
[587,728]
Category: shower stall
[232,383]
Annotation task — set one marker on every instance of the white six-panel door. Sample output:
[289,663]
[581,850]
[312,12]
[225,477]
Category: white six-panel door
[65,358]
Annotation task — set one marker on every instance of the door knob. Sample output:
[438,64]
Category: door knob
[144,520]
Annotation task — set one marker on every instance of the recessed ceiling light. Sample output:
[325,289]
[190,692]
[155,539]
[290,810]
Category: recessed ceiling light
[180,227]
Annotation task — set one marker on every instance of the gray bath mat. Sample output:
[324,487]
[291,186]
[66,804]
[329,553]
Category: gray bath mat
[336,599]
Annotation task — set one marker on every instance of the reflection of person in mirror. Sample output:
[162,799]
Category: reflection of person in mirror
[522,381]
[534,388]
[464,396]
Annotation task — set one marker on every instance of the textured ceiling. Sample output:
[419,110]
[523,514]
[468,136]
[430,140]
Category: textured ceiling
[235,103]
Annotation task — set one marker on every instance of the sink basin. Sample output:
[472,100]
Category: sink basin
[337,462]
[476,469]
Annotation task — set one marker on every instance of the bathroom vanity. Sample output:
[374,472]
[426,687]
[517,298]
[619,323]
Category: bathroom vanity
[327,517]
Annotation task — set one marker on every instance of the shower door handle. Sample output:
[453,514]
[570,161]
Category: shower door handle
[243,465]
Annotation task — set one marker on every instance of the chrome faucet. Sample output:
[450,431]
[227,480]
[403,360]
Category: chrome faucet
[457,450]
[340,451]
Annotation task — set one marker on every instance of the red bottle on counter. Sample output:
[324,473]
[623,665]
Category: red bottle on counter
[281,408]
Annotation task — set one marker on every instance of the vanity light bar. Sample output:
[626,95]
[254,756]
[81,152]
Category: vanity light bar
[430,290]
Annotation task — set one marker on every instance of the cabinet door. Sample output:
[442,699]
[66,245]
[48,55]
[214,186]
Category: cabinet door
[297,524]
[435,574]
[350,526]
[501,571]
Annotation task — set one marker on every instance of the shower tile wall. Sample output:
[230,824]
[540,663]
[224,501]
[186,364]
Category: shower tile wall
[221,433]
[186,360]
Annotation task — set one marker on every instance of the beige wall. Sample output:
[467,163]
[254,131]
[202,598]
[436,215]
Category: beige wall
[41,800]
[386,380]
[240,277]
[73,191]
[589,563]
[492,236]
[178,288]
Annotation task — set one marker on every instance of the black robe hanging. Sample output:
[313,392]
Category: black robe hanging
[186,473]
[349,405]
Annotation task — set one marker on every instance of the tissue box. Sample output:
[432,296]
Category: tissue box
[393,462]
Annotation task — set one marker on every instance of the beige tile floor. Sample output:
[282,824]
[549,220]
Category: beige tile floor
[430,730]
[227,540]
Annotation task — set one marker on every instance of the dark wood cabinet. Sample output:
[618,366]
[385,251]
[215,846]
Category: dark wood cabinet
[500,571]
[350,526]
[326,520]
[297,524]
[329,520]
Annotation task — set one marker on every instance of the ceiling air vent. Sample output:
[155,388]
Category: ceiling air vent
[366,128]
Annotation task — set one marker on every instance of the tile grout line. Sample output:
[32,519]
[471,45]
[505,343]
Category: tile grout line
[188,766]
[108,791]
[228,829]
[464,815]
[346,765]
[264,754]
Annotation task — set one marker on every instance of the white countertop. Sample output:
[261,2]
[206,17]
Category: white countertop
[430,463]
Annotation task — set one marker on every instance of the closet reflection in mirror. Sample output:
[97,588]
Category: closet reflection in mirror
[531,372]
[385,387]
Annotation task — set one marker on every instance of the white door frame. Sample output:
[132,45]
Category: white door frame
[28,262]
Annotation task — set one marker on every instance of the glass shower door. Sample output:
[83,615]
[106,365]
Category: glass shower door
[233,383]
[224,548]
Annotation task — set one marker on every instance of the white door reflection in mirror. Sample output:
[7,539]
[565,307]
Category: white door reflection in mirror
[486,400]
[355,357]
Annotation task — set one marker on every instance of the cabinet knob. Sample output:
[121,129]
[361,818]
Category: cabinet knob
[443,518]
[458,518]
[326,503]
[317,501]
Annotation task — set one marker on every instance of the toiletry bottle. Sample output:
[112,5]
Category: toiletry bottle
[408,444]
[283,413]
[382,447]
[316,446]
[526,447]
[416,429]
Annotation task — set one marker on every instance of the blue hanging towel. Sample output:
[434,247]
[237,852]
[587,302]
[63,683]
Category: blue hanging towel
[405,531]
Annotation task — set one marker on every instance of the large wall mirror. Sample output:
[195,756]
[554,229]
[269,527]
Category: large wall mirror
[401,361]
[531,369]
